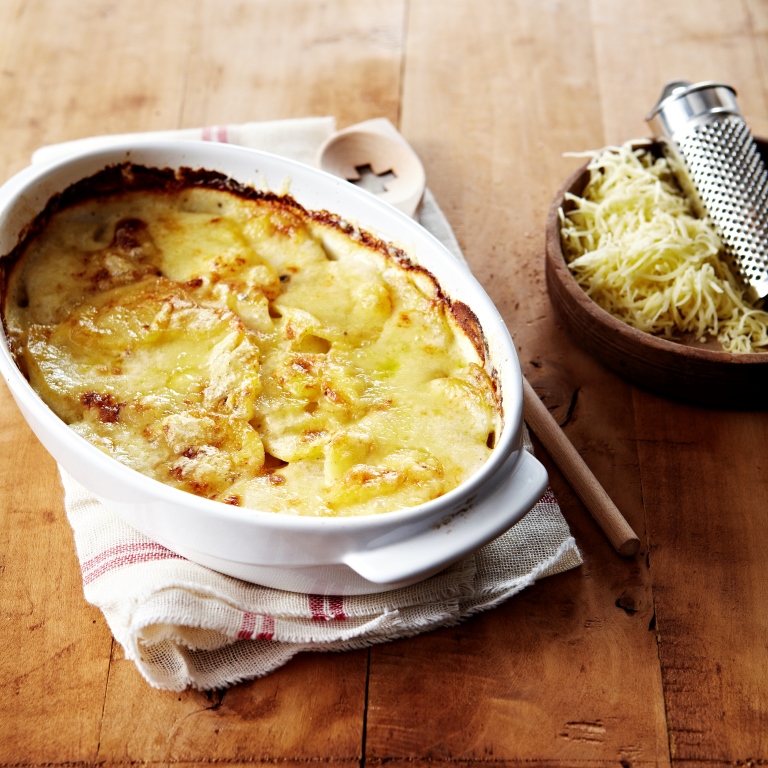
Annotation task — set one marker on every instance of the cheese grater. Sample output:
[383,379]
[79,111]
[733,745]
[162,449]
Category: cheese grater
[717,163]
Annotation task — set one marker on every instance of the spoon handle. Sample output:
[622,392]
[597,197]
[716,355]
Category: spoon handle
[578,474]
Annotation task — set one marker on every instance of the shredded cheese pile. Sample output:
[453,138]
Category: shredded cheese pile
[634,244]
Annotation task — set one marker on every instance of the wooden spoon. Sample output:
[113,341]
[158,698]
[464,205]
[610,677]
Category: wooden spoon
[578,474]
[376,148]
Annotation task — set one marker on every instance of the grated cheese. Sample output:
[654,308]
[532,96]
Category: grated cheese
[634,244]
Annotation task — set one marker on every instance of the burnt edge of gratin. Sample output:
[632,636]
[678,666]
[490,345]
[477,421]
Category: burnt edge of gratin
[131,177]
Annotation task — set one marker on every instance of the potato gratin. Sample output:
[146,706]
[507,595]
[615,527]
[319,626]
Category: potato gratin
[234,345]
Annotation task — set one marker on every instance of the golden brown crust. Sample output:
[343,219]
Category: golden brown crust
[234,345]
[125,177]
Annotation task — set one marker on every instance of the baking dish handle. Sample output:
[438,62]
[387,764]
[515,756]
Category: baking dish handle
[436,548]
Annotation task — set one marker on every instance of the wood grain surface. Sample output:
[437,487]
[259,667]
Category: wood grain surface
[656,660]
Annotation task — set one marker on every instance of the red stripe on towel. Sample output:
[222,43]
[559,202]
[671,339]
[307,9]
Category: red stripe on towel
[217,133]
[121,549]
[548,496]
[336,605]
[247,626]
[267,628]
[131,558]
[247,629]
[326,608]
[317,607]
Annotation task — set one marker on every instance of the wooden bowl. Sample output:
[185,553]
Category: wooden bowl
[686,371]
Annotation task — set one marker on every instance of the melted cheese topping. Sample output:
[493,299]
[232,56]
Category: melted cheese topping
[242,351]
[634,244]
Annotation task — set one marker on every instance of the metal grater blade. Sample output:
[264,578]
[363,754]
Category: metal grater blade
[718,164]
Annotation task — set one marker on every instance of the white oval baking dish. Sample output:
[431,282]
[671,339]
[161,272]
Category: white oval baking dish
[314,555]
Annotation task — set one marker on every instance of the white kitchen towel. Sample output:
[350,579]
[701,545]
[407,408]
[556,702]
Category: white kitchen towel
[185,625]
[297,138]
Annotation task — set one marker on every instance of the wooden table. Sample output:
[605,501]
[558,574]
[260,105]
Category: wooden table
[653,660]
